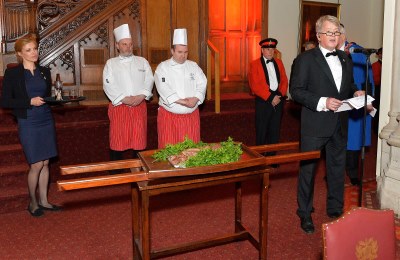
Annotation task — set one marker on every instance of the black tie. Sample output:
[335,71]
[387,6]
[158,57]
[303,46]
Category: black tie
[268,61]
[334,53]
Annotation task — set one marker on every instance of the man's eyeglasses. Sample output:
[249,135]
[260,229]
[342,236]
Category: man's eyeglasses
[331,33]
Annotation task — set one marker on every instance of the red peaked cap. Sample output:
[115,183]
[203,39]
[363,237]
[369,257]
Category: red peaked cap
[268,43]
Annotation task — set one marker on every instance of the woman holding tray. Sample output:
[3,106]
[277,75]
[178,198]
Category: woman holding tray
[24,88]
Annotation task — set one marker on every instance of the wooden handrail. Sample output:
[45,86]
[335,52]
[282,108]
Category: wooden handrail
[66,18]
[100,166]
[292,157]
[275,147]
[100,181]
[69,40]
[137,173]
[213,51]
[284,158]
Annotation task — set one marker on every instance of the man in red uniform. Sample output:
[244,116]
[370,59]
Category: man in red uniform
[268,81]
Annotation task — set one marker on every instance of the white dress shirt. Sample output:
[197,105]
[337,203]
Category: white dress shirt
[336,69]
[273,79]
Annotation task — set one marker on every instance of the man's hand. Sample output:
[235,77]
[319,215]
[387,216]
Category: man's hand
[276,100]
[37,101]
[359,93]
[192,101]
[133,100]
[188,102]
[333,104]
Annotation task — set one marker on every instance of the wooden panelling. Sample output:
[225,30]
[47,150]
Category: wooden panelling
[163,16]
[237,40]
[235,59]
[123,17]
[94,94]
[187,16]
[93,56]
[254,49]
[159,55]
[235,11]
[158,26]
[92,64]
[233,26]
[216,15]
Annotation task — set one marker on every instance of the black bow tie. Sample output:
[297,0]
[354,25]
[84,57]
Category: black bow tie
[334,53]
[268,61]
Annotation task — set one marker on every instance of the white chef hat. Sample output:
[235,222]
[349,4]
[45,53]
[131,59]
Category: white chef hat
[122,32]
[180,37]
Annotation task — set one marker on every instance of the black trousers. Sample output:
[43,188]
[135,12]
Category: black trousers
[118,155]
[335,149]
[268,121]
[352,162]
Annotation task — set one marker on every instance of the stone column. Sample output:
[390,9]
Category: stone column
[389,179]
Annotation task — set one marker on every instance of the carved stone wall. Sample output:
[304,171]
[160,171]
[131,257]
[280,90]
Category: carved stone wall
[389,179]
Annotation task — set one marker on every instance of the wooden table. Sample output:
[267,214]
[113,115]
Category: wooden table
[250,166]
[149,178]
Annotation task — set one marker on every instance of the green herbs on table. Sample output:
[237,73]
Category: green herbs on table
[227,152]
[174,149]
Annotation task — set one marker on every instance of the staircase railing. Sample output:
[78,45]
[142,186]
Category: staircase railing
[212,51]
[67,34]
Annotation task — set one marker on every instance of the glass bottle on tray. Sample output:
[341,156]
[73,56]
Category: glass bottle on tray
[58,88]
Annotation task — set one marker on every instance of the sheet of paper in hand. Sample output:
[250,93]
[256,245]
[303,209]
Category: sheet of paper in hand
[356,102]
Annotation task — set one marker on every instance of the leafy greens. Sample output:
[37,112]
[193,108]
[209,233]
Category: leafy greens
[229,151]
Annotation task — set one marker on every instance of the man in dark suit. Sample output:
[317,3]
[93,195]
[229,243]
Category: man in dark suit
[320,80]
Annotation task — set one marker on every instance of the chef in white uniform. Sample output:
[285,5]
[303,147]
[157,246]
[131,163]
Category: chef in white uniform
[181,85]
[128,83]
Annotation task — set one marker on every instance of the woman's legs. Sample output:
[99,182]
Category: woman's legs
[33,179]
[38,178]
[44,184]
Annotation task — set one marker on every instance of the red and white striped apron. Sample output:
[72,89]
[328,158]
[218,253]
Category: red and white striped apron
[172,128]
[128,127]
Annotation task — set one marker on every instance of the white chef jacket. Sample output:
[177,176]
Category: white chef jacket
[176,81]
[127,76]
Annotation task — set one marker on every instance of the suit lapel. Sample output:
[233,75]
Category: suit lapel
[344,65]
[324,65]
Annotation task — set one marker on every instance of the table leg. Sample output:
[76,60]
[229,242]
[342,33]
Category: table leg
[145,225]
[135,221]
[238,207]
[264,216]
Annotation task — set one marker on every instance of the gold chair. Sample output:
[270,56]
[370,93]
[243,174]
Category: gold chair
[362,234]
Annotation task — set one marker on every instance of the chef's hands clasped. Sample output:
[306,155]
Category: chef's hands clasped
[188,102]
[133,100]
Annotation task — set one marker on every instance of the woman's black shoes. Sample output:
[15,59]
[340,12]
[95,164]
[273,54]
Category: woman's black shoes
[52,208]
[36,213]
[40,210]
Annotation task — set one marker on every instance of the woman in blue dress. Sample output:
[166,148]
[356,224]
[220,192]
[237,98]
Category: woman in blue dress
[24,88]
